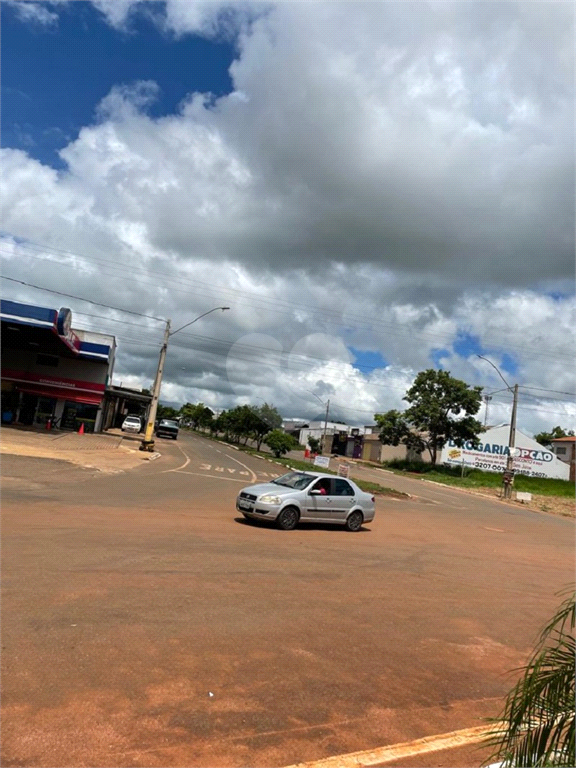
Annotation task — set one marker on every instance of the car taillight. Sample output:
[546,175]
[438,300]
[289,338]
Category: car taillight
[373,499]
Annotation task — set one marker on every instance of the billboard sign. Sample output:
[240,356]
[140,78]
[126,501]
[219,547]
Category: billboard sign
[491,455]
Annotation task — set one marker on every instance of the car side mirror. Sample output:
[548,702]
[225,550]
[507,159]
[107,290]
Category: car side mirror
[315,493]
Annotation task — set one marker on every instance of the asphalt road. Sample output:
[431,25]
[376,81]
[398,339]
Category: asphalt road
[146,624]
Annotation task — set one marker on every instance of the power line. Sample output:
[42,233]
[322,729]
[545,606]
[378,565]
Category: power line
[113,319]
[255,297]
[80,298]
[541,389]
[302,361]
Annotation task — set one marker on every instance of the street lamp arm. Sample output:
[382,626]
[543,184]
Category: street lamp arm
[317,397]
[197,318]
[495,368]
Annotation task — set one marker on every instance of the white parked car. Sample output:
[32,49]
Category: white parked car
[307,497]
[132,424]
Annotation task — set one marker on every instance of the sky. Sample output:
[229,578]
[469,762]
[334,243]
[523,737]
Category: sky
[374,189]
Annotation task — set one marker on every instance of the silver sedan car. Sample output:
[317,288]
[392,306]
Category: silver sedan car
[307,497]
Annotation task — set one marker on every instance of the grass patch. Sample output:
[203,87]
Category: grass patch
[477,478]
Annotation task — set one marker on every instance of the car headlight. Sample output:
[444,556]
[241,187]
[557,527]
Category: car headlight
[270,499]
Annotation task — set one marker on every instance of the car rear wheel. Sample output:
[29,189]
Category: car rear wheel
[354,521]
[288,519]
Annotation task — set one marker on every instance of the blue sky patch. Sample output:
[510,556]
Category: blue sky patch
[509,365]
[367,360]
[466,344]
[437,355]
[53,77]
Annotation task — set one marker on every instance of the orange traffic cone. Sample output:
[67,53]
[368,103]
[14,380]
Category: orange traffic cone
[81,430]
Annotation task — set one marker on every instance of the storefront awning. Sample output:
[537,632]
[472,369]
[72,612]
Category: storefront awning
[62,393]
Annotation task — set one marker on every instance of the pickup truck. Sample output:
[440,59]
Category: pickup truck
[167,428]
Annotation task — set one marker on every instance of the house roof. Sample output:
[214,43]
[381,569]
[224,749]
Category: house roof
[569,439]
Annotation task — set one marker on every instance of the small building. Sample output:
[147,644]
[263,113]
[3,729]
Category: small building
[120,402]
[374,450]
[564,448]
[334,429]
[51,372]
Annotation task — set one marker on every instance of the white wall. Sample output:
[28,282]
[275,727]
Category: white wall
[533,460]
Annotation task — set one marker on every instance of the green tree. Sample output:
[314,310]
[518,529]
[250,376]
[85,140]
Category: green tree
[198,415]
[545,438]
[441,408]
[314,443]
[280,442]
[222,424]
[267,419]
[537,724]
[166,412]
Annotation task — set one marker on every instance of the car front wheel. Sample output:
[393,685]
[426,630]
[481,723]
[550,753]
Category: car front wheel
[288,519]
[354,521]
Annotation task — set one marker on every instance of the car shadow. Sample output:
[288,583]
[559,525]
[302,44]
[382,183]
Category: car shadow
[250,522]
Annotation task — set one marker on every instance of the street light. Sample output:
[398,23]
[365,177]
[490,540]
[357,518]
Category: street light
[325,420]
[147,443]
[509,474]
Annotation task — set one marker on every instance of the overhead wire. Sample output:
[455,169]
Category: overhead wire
[295,359]
[255,297]
[543,389]
[80,298]
[147,342]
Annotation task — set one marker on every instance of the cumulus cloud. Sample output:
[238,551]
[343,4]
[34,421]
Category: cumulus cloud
[389,177]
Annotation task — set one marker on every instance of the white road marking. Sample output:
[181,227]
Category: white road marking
[253,474]
[218,469]
[372,757]
[214,477]
[183,465]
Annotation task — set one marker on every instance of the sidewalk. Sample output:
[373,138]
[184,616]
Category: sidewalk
[110,454]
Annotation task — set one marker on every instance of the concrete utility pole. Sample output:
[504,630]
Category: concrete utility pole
[508,478]
[511,446]
[326,417]
[325,425]
[147,443]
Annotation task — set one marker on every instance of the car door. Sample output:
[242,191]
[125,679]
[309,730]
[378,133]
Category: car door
[318,506]
[343,498]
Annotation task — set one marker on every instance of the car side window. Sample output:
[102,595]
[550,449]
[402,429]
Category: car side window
[342,488]
[323,486]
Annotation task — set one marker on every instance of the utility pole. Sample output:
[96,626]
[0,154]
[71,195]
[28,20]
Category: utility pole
[147,443]
[325,418]
[508,478]
[325,425]
[511,446]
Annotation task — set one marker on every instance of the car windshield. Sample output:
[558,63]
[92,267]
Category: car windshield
[168,423]
[297,480]
[133,420]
